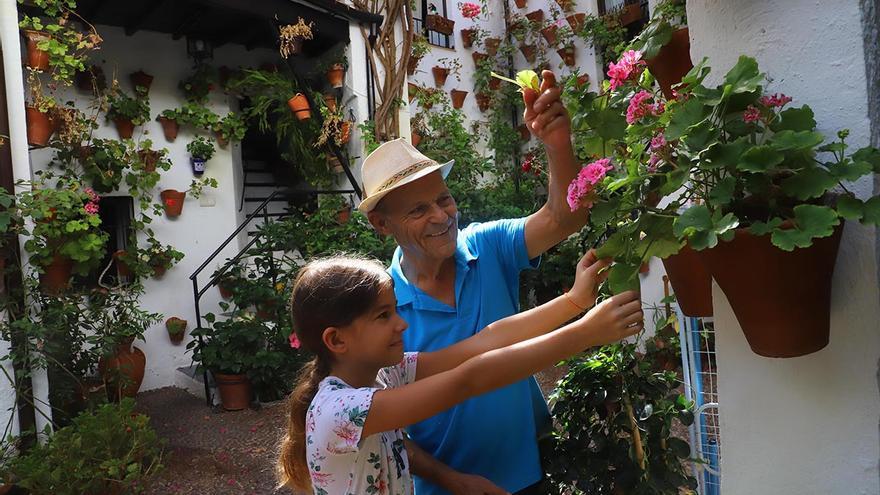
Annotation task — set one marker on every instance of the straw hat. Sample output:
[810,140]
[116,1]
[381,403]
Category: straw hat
[394,164]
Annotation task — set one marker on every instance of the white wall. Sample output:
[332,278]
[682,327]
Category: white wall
[805,425]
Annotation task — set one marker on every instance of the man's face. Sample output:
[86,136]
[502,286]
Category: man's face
[421,216]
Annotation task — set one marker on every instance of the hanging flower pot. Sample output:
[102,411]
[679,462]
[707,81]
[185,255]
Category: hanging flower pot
[345,131]
[221,141]
[198,165]
[567,55]
[458,97]
[492,45]
[36,58]
[672,62]
[170,128]
[467,37]
[123,371]
[330,101]
[479,57]
[528,52]
[123,271]
[412,90]
[781,299]
[494,84]
[631,13]
[235,391]
[56,275]
[576,21]
[536,16]
[440,75]
[149,158]
[549,34]
[176,329]
[225,291]
[583,79]
[440,24]
[416,138]
[39,127]
[483,101]
[299,105]
[125,127]
[520,4]
[690,281]
[172,200]
[565,5]
[412,64]
[343,215]
[335,75]
[141,79]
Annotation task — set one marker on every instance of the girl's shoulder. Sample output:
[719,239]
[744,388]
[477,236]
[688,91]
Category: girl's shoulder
[401,373]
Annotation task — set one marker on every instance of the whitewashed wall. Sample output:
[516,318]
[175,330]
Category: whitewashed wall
[805,425]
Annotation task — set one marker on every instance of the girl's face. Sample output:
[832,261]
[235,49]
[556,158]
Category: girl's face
[377,336]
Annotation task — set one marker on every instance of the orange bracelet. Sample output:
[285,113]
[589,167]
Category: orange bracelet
[573,303]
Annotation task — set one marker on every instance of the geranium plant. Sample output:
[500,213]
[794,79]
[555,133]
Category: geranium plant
[122,106]
[469,10]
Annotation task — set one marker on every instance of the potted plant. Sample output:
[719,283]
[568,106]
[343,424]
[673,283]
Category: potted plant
[299,105]
[198,85]
[549,33]
[37,57]
[566,51]
[576,21]
[420,47]
[91,80]
[170,125]
[232,127]
[141,79]
[292,37]
[458,97]
[176,329]
[665,45]
[126,111]
[438,23]
[200,149]
[536,16]
[529,52]
[104,163]
[39,126]
[469,36]
[55,43]
[173,199]
[335,73]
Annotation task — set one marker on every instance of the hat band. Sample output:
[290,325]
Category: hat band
[394,179]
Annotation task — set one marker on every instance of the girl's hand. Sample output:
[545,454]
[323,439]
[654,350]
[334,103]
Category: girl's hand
[614,319]
[587,279]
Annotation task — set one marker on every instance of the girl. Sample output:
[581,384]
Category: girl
[346,414]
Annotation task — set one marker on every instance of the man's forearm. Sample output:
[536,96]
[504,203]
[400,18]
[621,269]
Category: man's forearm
[563,168]
[426,466]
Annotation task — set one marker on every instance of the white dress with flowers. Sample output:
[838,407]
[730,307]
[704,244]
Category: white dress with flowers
[340,461]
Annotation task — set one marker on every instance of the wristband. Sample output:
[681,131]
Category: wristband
[578,306]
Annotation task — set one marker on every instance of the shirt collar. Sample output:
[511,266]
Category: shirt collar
[404,291]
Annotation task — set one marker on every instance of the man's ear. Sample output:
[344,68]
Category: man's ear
[380,222]
[334,340]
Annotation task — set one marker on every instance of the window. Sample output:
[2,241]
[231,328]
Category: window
[420,12]
[116,214]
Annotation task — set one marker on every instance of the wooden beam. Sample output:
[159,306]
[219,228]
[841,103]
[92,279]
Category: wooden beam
[134,23]
[186,22]
[89,13]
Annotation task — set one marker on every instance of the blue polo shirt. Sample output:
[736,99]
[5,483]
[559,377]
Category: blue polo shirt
[493,435]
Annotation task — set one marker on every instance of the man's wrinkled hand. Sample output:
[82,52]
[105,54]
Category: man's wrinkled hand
[545,115]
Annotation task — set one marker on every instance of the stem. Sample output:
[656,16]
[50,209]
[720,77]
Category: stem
[636,434]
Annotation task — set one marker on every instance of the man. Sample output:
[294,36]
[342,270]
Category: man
[451,284]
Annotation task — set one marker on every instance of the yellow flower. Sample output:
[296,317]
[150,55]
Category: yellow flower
[279,287]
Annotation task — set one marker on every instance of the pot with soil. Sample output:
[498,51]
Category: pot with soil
[149,158]
[440,75]
[479,57]
[36,58]
[123,371]
[528,52]
[440,24]
[56,275]
[299,105]
[567,55]
[172,200]
[235,391]
[483,101]
[125,127]
[781,299]
[336,75]
[690,281]
[576,21]
[39,127]
[672,62]
[492,45]
[458,97]
[549,34]
[170,128]
[536,16]
[467,37]
[176,329]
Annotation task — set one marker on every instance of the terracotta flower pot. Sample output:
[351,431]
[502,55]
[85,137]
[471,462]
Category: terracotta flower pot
[690,281]
[345,131]
[467,37]
[170,128]
[576,21]
[672,62]
[336,75]
[567,54]
[440,75]
[483,101]
[299,105]
[56,275]
[125,128]
[36,58]
[149,158]
[235,391]
[39,127]
[412,64]
[440,24]
[781,299]
[583,79]
[520,4]
[458,97]
[221,141]
[122,269]
[416,138]
[565,5]
[142,79]
[479,57]
[494,84]
[492,45]
[123,372]
[334,165]
[170,324]
[330,101]
[343,215]
[536,16]
[549,34]
[159,270]
[225,291]
[528,52]
[630,14]
[412,91]
[173,202]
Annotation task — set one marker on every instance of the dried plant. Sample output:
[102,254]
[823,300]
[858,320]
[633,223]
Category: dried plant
[292,36]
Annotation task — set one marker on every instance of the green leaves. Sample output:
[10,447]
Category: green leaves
[723,191]
[690,113]
[525,79]
[743,77]
[809,183]
[796,140]
[810,221]
[760,159]
[795,119]
[725,155]
[868,154]
[852,208]
[623,277]
[703,228]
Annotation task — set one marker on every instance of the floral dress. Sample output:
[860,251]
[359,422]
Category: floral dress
[340,461]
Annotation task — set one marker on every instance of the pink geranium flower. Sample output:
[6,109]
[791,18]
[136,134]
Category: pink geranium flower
[294,341]
[629,67]
[752,114]
[580,191]
[775,100]
[469,10]
[91,208]
[658,141]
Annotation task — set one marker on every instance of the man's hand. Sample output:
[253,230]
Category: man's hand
[471,484]
[545,115]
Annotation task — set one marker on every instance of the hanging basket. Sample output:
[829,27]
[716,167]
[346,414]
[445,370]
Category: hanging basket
[440,24]
[36,58]
[690,281]
[336,75]
[170,128]
[299,105]
[672,62]
[172,200]
[125,128]
[467,37]
[781,299]
[458,97]
[39,127]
